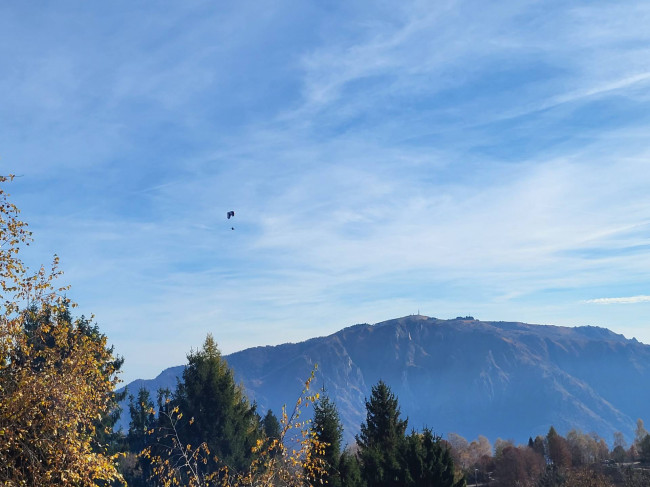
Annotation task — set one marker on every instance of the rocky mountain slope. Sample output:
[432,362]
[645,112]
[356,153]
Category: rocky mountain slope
[498,379]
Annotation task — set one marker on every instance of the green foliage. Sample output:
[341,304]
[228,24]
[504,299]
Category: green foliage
[350,470]
[429,461]
[275,464]
[328,427]
[390,459]
[142,420]
[271,426]
[219,411]
[136,469]
[381,439]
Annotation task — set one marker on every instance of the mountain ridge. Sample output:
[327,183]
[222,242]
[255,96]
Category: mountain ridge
[499,379]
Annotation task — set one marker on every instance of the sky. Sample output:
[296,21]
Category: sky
[446,158]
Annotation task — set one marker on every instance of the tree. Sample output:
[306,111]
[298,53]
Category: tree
[558,449]
[271,426]
[142,420]
[619,440]
[538,446]
[56,377]
[350,470]
[459,450]
[619,454]
[275,463]
[585,449]
[136,469]
[217,408]
[38,325]
[640,433]
[469,456]
[500,444]
[429,461]
[381,439]
[644,449]
[328,427]
[520,466]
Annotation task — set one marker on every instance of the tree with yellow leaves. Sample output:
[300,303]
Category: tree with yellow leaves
[56,376]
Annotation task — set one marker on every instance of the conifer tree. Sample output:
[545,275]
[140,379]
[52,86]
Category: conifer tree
[135,468]
[381,439]
[327,424]
[271,426]
[216,409]
[142,420]
[429,462]
[272,430]
[349,470]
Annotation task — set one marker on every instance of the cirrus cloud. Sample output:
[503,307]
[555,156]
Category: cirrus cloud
[622,300]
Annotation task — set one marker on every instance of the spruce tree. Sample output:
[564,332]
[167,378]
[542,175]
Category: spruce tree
[349,470]
[272,431]
[429,462]
[382,439]
[142,420]
[136,468]
[271,426]
[222,416]
[327,424]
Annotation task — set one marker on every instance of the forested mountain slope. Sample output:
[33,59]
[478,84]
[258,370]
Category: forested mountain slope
[499,379]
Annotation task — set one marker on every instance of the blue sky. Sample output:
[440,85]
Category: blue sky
[382,158]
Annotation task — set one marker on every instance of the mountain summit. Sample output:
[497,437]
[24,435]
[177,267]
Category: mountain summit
[471,377]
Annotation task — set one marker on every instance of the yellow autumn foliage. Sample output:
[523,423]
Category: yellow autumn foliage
[55,380]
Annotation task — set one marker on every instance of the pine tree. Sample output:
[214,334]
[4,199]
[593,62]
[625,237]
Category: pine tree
[327,424]
[381,439]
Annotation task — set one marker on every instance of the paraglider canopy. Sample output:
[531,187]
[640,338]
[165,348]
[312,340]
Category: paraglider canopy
[230,214]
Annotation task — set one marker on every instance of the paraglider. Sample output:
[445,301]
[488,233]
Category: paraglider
[231,214]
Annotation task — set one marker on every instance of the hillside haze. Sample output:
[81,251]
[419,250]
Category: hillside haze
[471,377]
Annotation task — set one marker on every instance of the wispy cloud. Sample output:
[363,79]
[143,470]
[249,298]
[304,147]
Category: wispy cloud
[380,159]
[623,300]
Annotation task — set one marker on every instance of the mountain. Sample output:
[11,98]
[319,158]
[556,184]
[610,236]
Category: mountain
[471,377]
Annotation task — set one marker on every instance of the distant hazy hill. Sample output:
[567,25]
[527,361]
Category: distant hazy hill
[499,379]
